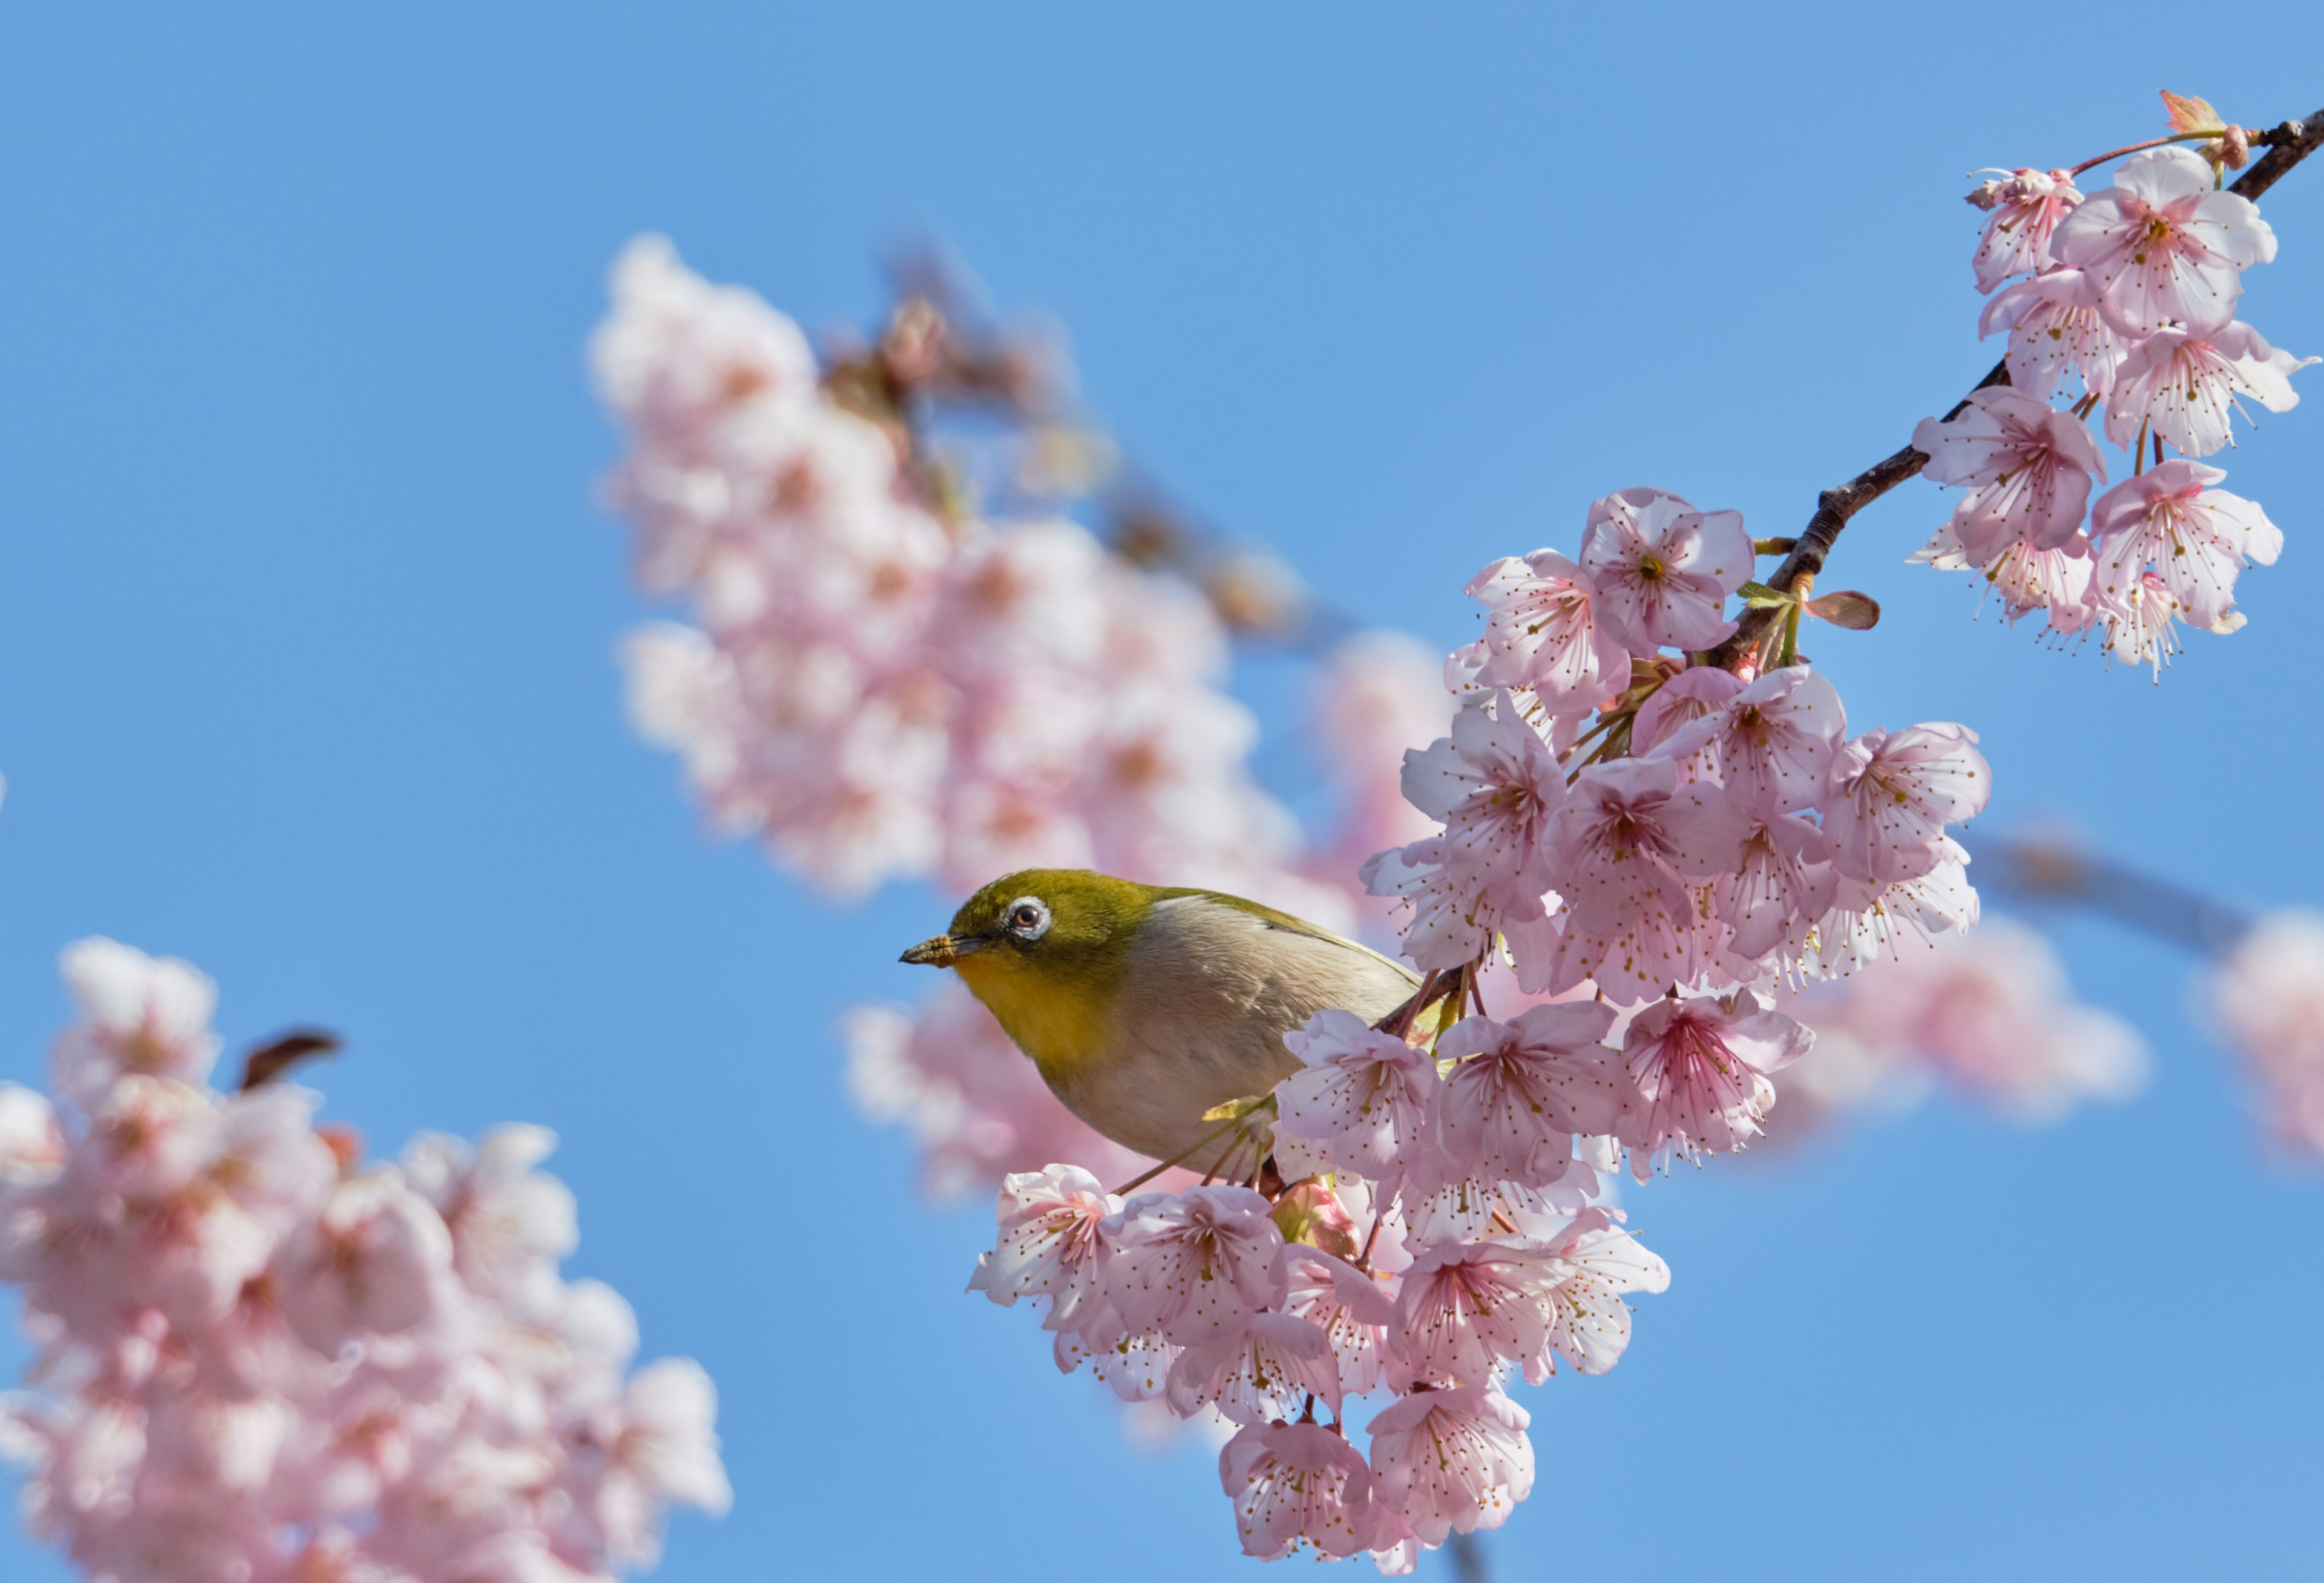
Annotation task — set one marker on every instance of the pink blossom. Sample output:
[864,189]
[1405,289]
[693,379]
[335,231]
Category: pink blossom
[1259,1373]
[1776,739]
[1299,1484]
[679,350]
[1050,1245]
[1699,1067]
[2197,539]
[368,1264]
[1454,919]
[1588,1324]
[1544,633]
[32,1146]
[2267,996]
[511,1225]
[138,1014]
[1467,1307]
[1519,1090]
[1868,919]
[1455,1460]
[2182,386]
[1891,793]
[2028,468]
[2056,328]
[2140,622]
[194,1261]
[1663,570]
[665,1442]
[1991,1013]
[1134,1365]
[1193,1266]
[1360,1101]
[2164,243]
[1494,783]
[2027,205]
[1786,883]
[1696,693]
[1349,1308]
[1622,853]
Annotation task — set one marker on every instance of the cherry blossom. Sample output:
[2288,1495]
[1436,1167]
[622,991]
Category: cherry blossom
[2027,205]
[1621,852]
[1518,1092]
[1494,783]
[1891,793]
[1774,740]
[2164,245]
[1050,1245]
[1544,633]
[2182,386]
[1588,1324]
[1989,1014]
[1299,1484]
[1193,1266]
[1662,569]
[1701,1070]
[139,1014]
[2266,996]
[1452,1460]
[1362,1100]
[2028,469]
[1352,1310]
[1259,1373]
[1695,694]
[260,1358]
[2056,329]
[2195,537]
[1454,919]
[1467,1308]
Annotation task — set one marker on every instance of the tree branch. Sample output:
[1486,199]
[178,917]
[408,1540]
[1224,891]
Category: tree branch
[2288,143]
[2056,869]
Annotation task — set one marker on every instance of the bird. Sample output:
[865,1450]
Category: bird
[1147,1007]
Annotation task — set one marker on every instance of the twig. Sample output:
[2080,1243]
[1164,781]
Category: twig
[2289,144]
[2055,870]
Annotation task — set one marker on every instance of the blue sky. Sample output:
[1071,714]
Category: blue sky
[308,618]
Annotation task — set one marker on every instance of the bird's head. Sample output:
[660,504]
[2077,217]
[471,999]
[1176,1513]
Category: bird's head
[1044,949]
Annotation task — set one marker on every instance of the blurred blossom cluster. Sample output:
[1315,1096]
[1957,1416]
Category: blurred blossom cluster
[877,678]
[1987,1015]
[2266,996]
[2126,318]
[264,1358]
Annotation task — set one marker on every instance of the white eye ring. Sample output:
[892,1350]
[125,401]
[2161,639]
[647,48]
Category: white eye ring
[1026,917]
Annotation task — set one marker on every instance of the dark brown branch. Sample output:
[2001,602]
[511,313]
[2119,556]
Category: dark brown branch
[2288,144]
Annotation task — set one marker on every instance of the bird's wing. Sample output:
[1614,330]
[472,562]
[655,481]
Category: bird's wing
[1275,919]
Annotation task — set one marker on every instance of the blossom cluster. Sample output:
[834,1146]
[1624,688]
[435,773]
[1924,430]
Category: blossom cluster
[1714,831]
[2266,994]
[264,1358]
[1425,1219]
[1415,1261]
[2126,318]
[876,678]
[1987,1015]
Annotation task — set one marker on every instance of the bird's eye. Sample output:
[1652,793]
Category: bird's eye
[1028,917]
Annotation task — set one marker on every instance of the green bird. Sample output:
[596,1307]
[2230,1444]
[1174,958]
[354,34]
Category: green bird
[1146,1005]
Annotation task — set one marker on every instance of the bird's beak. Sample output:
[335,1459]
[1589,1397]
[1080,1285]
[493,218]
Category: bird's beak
[941,951]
